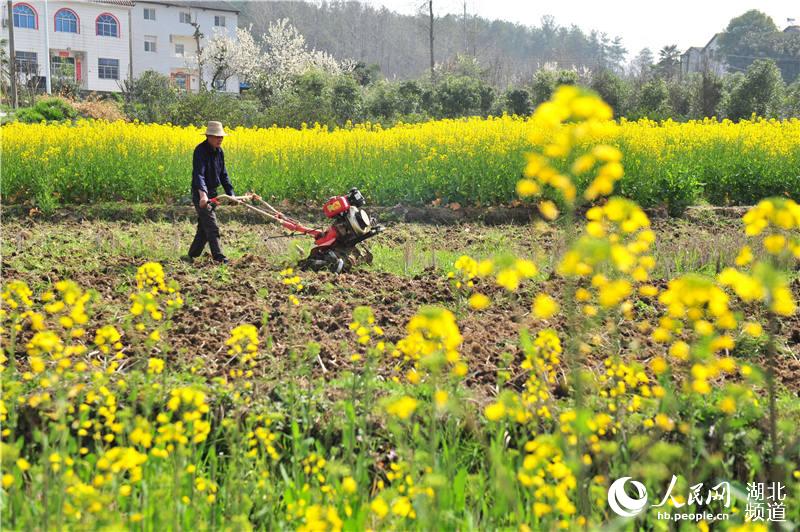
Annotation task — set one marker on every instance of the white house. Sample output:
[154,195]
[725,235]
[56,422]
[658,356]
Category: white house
[99,43]
[705,59]
[88,41]
[163,38]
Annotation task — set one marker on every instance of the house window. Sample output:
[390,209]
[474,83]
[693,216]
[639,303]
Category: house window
[218,85]
[185,17]
[62,67]
[219,20]
[149,13]
[66,21]
[26,62]
[24,16]
[150,44]
[108,68]
[107,26]
[179,51]
[180,81]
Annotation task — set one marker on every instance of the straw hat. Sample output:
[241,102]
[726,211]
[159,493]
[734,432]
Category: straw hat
[215,129]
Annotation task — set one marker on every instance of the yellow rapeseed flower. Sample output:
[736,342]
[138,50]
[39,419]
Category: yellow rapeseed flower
[658,365]
[479,301]
[494,411]
[379,507]
[544,306]
[402,407]
[728,405]
[548,209]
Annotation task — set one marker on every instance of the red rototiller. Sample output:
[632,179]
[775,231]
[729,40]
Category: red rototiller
[335,249]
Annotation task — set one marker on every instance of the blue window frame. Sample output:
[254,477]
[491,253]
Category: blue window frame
[108,68]
[107,26]
[66,21]
[27,62]
[24,17]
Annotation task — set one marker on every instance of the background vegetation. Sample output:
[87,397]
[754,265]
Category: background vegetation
[325,75]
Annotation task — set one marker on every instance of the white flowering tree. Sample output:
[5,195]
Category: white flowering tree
[225,56]
[286,54]
[270,63]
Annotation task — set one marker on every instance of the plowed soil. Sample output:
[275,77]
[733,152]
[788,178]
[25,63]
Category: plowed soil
[252,292]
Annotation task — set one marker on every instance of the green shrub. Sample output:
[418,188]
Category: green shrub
[50,109]
[197,109]
[29,115]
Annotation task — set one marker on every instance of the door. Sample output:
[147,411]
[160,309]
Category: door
[62,67]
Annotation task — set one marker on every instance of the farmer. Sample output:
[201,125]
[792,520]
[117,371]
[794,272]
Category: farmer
[208,172]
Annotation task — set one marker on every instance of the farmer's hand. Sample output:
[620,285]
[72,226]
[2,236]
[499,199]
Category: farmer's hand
[253,196]
[203,200]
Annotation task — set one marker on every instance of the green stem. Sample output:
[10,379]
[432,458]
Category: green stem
[775,457]
[573,359]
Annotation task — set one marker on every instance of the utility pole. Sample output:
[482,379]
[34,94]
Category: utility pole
[12,60]
[130,55]
[47,83]
[475,35]
[466,45]
[197,36]
[430,8]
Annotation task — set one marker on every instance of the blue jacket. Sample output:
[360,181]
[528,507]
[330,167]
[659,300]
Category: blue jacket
[209,172]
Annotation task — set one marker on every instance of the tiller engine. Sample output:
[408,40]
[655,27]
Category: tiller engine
[335,249]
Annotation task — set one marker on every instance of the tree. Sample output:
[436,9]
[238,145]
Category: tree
[642,66]
[458,96]
[749,36]
[793,99]
[680,99]
[611,88]
[543,85]
[740,27]
[615,55]
[706,95]
[760,92]
[365,74]
[754,35]
[409,95]
[462,65]
[518,102]
[486,96]
[599,45]
[149,97]
[567,77]
[346,99]
[400,43]
[284,57]
[382,101]
[306,100]
[225,56]
[669,61]
[654,99]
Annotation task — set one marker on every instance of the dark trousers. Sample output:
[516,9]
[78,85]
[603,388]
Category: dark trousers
[207,231]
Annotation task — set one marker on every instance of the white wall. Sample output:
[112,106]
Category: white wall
[86,40]
[168,31]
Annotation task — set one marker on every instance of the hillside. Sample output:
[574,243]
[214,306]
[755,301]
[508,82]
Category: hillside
[399,43]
